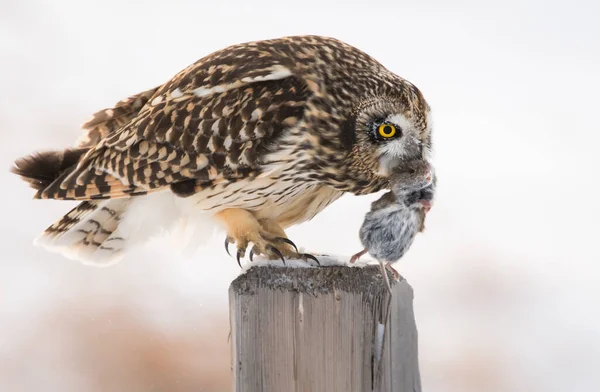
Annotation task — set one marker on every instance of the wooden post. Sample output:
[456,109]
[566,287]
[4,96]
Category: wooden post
[322,330]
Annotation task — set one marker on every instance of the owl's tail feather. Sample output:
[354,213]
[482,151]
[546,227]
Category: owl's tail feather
[42,169]
[89,232]
[99,232]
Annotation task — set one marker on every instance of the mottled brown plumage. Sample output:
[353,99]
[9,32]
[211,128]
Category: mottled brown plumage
[278,128]
[109,120]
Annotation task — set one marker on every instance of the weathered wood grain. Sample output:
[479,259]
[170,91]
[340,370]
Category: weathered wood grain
[320,329]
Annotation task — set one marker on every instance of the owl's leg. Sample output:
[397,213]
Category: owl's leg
[243,228]
[272,227]
[275,229]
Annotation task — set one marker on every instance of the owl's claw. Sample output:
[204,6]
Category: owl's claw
[265,248]
[239,254]
[227,245]
[269,240]
[276,251]
[288,241]
[308,256]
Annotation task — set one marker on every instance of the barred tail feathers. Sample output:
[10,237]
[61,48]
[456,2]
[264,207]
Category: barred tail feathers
[89,232]
[100,232]
[70,175]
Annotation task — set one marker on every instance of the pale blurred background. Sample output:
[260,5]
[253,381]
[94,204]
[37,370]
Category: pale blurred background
[506,277]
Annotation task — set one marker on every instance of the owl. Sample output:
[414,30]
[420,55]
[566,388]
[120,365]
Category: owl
[391,226]
[253,138]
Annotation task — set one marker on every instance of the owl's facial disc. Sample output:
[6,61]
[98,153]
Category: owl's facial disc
[387,132]
[395,140]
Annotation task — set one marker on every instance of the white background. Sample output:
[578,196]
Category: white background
[506,276]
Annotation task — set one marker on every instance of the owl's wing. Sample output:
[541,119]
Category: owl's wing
[109,120]
[211,122]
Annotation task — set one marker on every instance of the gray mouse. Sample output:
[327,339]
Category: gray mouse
[394,220]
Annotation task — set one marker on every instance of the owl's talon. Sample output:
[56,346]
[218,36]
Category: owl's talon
[239,254]
[266,236]
[308,256]
[288,241]
[273,249]
[227,245]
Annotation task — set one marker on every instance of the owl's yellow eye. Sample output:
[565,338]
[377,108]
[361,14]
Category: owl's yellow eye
[386,130]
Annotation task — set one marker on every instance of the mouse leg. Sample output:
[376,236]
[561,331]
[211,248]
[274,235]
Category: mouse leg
[357,256]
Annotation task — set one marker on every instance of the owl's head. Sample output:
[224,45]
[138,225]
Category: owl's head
[388,131]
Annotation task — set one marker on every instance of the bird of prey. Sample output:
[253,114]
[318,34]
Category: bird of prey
[255,137]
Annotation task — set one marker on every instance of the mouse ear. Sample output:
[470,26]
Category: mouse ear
[384,201]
